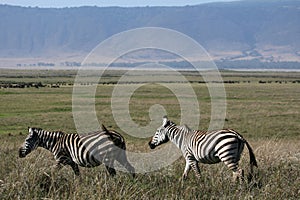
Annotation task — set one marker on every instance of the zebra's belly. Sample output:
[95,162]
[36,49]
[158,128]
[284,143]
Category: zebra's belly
[207,157]
[88,165]
[209,160]
[88,162]
[95,158]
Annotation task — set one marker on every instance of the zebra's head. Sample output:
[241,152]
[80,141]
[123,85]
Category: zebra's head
[160,135]
[31,142]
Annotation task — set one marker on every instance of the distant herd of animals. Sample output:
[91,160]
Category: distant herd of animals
[58,84]
[106,146]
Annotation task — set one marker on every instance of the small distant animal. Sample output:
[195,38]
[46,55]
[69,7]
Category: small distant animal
[205,147]
[90,150]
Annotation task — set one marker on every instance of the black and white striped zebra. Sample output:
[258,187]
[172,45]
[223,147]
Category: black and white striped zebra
[205,147]
[90,150]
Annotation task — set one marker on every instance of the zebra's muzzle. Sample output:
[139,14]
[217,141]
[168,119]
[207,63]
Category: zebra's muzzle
[152,146]
[22,153]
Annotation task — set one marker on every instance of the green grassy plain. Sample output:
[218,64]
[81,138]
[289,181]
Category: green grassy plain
[264,107]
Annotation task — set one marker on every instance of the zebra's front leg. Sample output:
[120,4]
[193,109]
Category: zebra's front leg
[122,159]
[54,169]
[65,160]
[58,166]
[75,168]
[191,162]
[186,170]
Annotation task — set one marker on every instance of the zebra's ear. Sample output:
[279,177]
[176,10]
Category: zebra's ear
[104,128]
[165,121]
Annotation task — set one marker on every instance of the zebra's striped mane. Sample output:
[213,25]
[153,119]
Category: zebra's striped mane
[184,128]
[41,138]
[41,132]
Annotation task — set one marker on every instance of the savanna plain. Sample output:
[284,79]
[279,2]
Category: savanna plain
[263,106]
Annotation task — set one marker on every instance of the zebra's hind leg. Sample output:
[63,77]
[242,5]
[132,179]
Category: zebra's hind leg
[122,159]
[129,168]
[232,162]
[111,171]
[238,175]
[196,169]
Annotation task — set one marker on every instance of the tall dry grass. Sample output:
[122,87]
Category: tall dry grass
[278,177]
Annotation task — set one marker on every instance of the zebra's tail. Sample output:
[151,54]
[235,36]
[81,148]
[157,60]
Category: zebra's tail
[104,128]
[252,161]
[116,137]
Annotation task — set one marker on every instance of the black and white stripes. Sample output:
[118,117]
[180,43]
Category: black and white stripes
[105,147]
[85,151]
[204,147]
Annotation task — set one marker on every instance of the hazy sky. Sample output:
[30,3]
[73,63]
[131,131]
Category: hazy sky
[76,3]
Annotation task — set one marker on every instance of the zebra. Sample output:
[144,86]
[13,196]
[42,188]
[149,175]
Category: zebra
[205,147]
[90,150]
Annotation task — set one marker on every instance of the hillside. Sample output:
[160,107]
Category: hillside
[264,30]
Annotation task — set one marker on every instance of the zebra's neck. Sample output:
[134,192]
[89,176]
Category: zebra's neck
[49,139]
[177,135]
